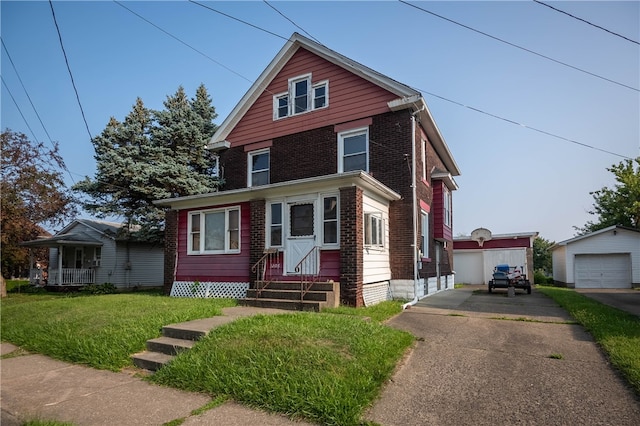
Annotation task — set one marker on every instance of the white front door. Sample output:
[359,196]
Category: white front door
[301,236]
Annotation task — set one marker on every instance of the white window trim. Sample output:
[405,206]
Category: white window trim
[282,224]
[447,201]
[424,218]
[290,93]
[276,107]
[250,170]
[368,216]
[324,83]
[227,249]
[337,219]
[349,133]
[424,160]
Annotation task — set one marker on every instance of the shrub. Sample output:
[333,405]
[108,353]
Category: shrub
[539,277]
[106,288]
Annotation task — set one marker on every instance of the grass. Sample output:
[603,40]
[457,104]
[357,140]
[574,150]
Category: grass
[379,312]
[617,332]
[326,368]
[99,331]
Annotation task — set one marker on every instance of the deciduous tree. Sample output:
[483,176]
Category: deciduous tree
[619,205]
[33,196]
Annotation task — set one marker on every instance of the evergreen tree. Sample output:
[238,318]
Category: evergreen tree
[152,155]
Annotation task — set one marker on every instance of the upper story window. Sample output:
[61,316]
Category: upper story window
[424,160]
[214,231]
[353,150]
[447,205]
[258,168]
[302,96]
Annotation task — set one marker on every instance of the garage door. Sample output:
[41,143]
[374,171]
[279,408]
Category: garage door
[468,267]
[603,270]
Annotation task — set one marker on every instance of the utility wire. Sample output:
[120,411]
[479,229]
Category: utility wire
[18,107]
[25,90]
[524,125]
[294,24]
[519,47]
[239,20]
[66,60]
[185,43]
[585,21]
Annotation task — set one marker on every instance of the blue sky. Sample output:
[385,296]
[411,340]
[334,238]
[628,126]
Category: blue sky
[514,179]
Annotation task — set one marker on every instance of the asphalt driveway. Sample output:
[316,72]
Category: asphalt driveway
[489,359]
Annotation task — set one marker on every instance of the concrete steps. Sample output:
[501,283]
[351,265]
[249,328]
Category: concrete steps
[286,295]
[183,336]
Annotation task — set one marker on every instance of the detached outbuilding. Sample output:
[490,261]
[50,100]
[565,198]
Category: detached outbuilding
[607,258]
[475,258]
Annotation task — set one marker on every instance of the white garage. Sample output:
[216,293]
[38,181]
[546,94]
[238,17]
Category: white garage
[608,258]
[474,263]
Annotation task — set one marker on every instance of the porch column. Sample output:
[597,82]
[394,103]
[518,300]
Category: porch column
[31,266]
[258,232]
[59,265]
[351,246]
[170,249]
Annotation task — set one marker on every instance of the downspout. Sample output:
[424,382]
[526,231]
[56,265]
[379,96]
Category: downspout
[416,281]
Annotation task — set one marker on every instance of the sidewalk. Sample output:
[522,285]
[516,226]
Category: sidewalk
[37,387]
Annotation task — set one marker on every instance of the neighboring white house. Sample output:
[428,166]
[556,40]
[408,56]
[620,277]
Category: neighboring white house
[94,252]
[608,258]
[474,263]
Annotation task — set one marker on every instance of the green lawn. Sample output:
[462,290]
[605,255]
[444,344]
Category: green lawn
[99,331]
[324,367]
[617,332]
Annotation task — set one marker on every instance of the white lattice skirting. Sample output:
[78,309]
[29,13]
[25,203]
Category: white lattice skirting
[209,289]
[376,293]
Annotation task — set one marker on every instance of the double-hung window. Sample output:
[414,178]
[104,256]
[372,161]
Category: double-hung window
[302,96]
[373,230]
[214,231]
[353,150]
[447,206]
[258,173]
[275,225]
[424,240]
[330,220]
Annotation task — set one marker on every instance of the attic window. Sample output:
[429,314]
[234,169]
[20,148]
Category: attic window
[302,96]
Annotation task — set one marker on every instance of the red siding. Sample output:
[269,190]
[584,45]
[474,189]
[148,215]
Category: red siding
[440,230]
[350,98]
[215,267]
[329,267]
[496,243]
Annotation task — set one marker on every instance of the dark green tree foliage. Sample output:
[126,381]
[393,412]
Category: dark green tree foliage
[542,255]
[619,205]
[152,155]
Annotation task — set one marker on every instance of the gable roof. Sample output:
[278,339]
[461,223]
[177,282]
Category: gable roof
[594,233]
[69,235]
[408,98]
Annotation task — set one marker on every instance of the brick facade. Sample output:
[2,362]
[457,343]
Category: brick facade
[351,246]
[258,227]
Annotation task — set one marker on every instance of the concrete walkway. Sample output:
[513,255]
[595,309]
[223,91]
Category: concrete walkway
[482,360]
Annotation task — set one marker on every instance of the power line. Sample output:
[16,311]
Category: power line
[518,47]
[585,21]
[25,89]
[185,43]
[66,60]
[523,125]
[18,107]
[296,25]
[237,19]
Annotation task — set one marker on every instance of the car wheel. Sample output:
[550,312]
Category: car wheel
[489,289]
[529,290]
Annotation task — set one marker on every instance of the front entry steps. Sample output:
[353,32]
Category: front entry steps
[181,337]
[286,295]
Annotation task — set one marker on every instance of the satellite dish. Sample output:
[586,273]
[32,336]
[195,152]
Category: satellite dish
[481,235]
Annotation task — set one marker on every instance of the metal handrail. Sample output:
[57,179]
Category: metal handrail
[308,263]
[261,270]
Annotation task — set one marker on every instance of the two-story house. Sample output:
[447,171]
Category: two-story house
[332,172]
